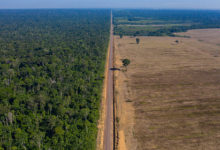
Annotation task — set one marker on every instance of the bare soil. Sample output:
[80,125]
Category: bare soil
[124,110]
[169,97]
[211,36]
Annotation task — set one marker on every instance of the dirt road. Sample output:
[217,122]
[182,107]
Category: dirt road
[108,132]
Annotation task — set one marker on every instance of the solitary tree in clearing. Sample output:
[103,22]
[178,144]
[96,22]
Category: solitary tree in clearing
[137,40]
[121,36]
[126,62]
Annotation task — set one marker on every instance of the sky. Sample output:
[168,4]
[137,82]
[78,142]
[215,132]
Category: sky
[155,4]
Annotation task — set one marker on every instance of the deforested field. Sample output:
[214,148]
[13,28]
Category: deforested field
[51,72]
[169,99]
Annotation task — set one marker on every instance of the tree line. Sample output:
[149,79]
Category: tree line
[181,20]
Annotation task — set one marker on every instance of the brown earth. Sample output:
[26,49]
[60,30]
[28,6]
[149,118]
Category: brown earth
[169,98]
[211,36]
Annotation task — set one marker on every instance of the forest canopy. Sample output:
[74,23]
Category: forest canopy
[51,73]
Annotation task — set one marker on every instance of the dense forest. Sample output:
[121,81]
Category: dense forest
[163,22]
[51,73]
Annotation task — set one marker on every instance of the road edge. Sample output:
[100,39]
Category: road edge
[102,112]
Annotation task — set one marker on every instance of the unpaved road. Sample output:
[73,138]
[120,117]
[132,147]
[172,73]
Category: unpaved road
[108,131]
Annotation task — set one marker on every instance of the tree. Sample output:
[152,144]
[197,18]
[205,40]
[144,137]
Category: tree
[126,62]
[137,40]
[121,36]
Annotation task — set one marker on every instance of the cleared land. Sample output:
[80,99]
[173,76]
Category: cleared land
[169,97]
[211,36]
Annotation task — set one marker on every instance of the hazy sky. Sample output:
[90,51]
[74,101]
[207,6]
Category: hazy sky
[185,4]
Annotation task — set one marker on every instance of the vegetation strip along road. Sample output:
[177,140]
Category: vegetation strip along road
[108,133]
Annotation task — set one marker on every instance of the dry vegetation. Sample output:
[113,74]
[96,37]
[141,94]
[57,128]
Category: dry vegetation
[211,36]
[169,98]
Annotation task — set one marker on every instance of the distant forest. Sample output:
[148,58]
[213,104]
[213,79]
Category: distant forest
[163,22]
[51,73]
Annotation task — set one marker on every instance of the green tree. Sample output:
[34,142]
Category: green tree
[121,35]
[137,40]
[126,62]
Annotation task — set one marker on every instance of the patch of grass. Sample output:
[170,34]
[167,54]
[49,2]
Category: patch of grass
[117,119]
[149,30]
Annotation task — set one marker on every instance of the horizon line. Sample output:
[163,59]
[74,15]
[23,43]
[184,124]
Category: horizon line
[214,9]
